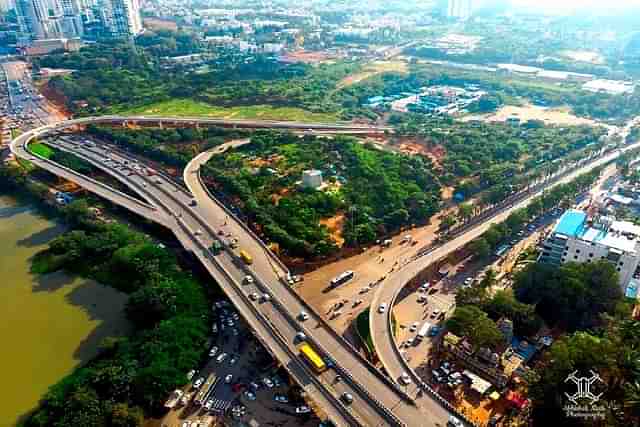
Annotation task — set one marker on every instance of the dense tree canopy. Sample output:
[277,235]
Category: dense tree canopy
[168,310]
[376,191]
[572,296]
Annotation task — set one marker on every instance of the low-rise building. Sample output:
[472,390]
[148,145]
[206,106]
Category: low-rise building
[312,179]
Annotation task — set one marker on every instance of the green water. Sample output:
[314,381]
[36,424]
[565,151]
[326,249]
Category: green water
[49,324]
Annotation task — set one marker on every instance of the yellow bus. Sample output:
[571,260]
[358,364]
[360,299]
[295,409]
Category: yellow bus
[313,358]
[246,257]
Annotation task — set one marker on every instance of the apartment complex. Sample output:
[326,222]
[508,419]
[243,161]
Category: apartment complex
[580,238]
[54,19]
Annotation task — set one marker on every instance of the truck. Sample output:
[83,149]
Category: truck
[444,269]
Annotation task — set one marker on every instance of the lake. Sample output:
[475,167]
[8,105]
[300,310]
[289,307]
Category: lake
[50,323]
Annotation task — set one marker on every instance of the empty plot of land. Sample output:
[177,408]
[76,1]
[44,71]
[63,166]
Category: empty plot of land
[559,116]
[371,69]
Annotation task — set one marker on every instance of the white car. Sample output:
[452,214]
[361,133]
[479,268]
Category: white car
[382,308]
[213,351]
[198,382]
[414,327]
[228,379]
[454,422]
[209,404]
[267,382]
[405,379]
[248,279]
[249,395]
[303,316]
[303,410]
[221,358]
[253,296]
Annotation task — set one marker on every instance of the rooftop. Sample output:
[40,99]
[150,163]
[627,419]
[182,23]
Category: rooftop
[620,235]
[571,223]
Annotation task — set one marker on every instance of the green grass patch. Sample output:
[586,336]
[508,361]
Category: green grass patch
[41,150]
[364,333]
[189,107]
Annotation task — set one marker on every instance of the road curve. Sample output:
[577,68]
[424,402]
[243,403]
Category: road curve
[378,402]
[380,324]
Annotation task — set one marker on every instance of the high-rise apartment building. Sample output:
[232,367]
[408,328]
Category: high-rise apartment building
[126,21]
[460,9]
[48,19]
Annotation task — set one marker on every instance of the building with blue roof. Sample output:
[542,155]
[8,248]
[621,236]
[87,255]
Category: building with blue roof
[580,238]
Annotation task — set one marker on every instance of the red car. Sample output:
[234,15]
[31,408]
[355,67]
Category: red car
[238,387]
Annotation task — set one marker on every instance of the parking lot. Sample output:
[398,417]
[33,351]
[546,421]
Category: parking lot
[434,299]
[239,382]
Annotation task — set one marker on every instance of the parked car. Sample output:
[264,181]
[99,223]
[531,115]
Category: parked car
[303,316]
[267,382]
[303,410]
[198,382]
[228,379]
[213,351]
[280,398]
[190,374]
[249,395]
[221,357]
[382,308]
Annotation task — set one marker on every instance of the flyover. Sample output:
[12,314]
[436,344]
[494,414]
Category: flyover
[161,121]
[380,324]
[377,400]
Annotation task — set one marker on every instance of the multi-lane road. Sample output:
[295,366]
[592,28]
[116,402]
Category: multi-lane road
[380,323]
[377,401]
[198,219]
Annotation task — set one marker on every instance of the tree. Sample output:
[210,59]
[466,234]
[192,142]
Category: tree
[122,415]
[465,211]
[480,248]
[474,323]
[573,296]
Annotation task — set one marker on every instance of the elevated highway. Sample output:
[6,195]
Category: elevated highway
[377,400]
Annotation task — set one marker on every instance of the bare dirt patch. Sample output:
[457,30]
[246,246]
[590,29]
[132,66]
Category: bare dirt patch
[306,57]
[335,224]
[160,24]
[559,116]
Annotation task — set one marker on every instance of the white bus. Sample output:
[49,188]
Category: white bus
[424,330]
[342,278]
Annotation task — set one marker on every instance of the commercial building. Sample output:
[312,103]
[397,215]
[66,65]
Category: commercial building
[580,238]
